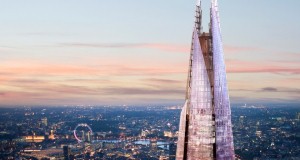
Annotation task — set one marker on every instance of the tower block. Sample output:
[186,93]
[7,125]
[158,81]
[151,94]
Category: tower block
[205,131]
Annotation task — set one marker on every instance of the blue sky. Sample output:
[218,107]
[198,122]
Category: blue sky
[136,52]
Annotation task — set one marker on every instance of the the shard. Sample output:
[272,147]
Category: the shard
[205,131]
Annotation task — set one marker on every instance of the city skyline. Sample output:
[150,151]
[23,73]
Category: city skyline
[63,53]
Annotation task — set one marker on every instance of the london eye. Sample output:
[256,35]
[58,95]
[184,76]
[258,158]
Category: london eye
[86,132]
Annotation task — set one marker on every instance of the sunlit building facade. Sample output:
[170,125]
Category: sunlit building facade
[205,130]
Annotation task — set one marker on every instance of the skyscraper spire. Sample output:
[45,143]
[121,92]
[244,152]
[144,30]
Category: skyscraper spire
[198,17]
[198,29]
[198,2]
[215,9]
[224,138]
[205,131]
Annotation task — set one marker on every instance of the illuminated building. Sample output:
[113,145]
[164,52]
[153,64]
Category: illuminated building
[83,136]
[144,133]
[45,121]
[168,134]
[51,136]
[34,138]
[89,137]
[205,130]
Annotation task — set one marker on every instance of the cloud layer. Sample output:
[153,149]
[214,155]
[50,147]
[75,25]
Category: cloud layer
[102,80]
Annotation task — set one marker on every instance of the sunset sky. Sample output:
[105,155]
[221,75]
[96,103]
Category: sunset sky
[108,52]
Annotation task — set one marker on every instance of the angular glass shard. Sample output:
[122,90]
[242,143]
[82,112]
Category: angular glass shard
[224,138]
[181,134]
[201,125]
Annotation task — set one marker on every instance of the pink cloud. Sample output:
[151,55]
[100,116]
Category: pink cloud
[159,46]
[169,47]
[236,66]
[36,68]
[265,70]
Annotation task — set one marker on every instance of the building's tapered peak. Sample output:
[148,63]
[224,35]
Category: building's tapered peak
[214,2]
[198,2]
[205,131]
[215,9]
[198,16]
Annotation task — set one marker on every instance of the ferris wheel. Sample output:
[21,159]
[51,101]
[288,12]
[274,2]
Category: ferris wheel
[84,127]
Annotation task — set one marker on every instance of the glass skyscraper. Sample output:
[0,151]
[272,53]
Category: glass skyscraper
[205,130]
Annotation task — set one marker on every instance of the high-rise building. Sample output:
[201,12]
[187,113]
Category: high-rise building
[51,136]
[172,151]
[205,130]
[67,151]
[89,139]
[83,136]
[45,121]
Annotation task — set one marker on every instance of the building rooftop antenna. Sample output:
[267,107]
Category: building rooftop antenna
[198,17]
